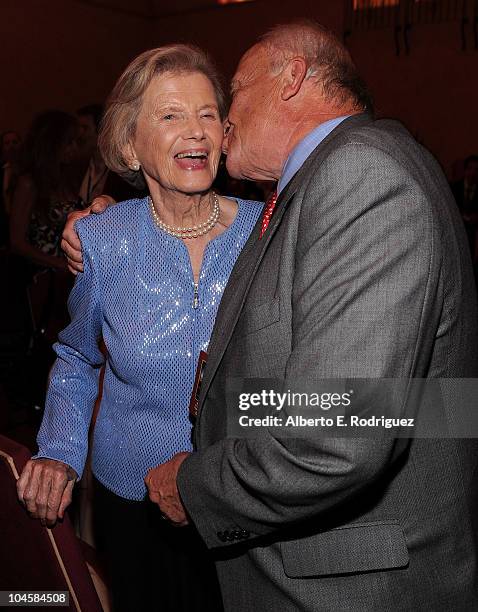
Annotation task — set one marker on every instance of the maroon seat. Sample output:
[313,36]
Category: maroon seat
[33,557]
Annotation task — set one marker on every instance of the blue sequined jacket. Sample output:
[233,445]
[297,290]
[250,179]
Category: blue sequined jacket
[137,292]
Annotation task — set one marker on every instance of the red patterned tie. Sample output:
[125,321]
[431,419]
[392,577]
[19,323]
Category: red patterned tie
[268,210]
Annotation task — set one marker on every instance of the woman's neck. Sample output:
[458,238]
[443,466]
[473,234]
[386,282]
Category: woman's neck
[182,210]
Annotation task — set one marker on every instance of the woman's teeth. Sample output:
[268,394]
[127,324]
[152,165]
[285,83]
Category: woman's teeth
[191,154]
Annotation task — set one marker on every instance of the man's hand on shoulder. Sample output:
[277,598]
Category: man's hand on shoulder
[70,243]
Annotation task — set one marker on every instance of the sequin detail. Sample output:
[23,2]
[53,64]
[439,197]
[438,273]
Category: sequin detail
[137,291]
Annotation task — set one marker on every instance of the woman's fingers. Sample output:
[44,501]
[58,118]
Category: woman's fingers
[31,491]
[23,483]
[43,494]
[49,512]
[45,487]
[66,498]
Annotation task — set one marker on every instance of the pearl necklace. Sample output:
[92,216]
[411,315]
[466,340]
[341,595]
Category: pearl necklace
[188,232]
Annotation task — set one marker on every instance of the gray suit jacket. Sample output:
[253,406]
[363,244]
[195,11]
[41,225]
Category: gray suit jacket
[363,272]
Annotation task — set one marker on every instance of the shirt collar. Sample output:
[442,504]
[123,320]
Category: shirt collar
[305,147]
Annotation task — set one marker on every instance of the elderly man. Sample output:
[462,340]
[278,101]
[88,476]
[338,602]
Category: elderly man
[359,270]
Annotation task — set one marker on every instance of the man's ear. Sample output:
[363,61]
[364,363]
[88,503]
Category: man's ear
[293,76]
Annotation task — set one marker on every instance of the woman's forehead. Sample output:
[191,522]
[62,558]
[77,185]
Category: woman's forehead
[184,86]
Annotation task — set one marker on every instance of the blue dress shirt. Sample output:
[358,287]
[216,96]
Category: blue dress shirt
[305,147]
[137,292]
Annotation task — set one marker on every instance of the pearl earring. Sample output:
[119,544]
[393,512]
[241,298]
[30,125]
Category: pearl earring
[135,166]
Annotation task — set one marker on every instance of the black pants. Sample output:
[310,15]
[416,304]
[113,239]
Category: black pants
[153,566]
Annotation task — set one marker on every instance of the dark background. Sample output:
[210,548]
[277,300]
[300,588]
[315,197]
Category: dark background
[420,58]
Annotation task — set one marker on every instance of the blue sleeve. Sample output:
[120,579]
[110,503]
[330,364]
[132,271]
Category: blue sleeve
[73,384]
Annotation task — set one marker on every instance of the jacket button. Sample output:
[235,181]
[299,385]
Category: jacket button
[236,534]
[244,534]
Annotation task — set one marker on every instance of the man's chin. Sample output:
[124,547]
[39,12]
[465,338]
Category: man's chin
[233,168]
[238,171]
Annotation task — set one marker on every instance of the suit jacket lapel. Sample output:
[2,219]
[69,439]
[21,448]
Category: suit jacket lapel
[246,266]
[238,286]
[237,289]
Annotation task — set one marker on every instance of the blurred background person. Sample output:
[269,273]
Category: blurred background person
[92,185]
[45,192]
[46,189]
[466,196]
[9,150]
[99,179]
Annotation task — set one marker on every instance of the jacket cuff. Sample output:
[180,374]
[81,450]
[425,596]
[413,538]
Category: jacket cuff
[203,509]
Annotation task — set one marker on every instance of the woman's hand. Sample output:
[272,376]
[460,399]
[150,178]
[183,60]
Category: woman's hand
[70,243]
[45,489]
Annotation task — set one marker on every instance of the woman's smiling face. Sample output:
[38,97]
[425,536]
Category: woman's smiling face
[179,133]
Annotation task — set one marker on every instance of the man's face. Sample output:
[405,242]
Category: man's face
[249,141]
[87,135]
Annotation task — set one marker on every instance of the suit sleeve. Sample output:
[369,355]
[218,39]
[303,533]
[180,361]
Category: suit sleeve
[73,382]
[361,284]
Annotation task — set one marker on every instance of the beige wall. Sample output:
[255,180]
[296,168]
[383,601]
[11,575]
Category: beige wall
[61,54]
[433,90]
[227,31]
[65,54]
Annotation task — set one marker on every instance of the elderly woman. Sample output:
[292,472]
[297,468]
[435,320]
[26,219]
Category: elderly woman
[154,273]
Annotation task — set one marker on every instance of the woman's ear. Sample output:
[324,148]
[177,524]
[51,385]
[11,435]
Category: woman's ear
[227,128]
[293,76]
[131,158]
